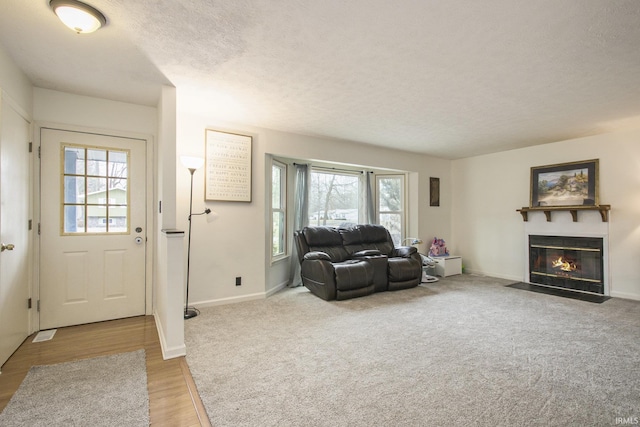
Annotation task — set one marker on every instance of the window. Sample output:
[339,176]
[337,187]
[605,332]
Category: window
[390,206]
[333,198]
[278,209]
[95,190]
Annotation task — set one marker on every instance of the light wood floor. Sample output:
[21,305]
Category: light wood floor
[173,399]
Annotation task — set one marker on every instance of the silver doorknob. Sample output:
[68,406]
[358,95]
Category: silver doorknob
[8,247]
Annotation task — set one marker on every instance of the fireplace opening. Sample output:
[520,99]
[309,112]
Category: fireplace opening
[567,262]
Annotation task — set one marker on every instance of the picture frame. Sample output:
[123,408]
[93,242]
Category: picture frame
[227,166]
[565,184]
[434,191]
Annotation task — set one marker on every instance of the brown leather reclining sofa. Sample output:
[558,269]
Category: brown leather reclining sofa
[343,263]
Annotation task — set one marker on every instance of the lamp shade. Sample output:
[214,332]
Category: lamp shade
[191,162]
[78,16]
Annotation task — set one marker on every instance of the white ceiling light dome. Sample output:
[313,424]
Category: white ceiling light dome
[78,16]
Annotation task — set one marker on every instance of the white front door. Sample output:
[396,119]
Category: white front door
[93,231]
[14,230]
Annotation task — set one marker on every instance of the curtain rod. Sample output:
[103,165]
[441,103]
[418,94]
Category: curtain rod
[332,169]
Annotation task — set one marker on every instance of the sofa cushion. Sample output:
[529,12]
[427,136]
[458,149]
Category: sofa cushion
[353,274]
[402,269]
[327,240]
[367,236]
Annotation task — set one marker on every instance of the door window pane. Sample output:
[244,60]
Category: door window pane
[73,189]
[73,161]
[95,191]
[96,187]
[73,219]
[118,163]
[118,219]
[96,162]
[117,201]
[96,219]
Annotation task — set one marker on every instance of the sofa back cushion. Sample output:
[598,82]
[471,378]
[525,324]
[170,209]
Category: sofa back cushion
[325,239]
[367,236]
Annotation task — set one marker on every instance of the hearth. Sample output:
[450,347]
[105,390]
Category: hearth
[567,262]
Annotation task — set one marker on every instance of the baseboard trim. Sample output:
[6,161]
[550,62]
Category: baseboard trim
[168,352]
[625,295]
[276,289]
[240,298]
[229,300]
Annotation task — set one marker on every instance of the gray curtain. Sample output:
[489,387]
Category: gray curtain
[300,217]
[369,205]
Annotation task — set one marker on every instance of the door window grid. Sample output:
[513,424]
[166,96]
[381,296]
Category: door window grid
[95,190]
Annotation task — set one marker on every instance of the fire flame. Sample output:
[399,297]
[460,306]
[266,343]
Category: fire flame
[563,265]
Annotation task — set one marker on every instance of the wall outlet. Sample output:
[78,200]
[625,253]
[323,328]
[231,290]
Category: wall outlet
[238,281]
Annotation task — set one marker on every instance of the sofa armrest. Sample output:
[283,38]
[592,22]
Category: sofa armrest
[366,252]
[404,251]
[317,256]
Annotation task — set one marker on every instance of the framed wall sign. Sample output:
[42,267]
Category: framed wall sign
[565,184]
[227,166]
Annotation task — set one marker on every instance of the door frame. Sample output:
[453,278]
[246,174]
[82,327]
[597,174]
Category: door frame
[149,205]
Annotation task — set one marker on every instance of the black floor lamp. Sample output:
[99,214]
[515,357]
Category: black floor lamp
[191,163]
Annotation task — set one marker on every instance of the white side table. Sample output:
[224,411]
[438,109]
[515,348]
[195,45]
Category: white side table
[448,265]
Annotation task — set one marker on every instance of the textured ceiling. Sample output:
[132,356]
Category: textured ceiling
[448,78]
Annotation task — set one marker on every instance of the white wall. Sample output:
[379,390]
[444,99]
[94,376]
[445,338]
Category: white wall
[169,265]
[234,243]
[487,190]
[15,83]
[88,112]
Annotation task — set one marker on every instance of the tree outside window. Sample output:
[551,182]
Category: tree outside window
[333,198]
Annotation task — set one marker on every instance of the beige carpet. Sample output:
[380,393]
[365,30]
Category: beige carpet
[103,391]
[459,352]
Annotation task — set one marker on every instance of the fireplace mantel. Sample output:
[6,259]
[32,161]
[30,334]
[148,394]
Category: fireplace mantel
[603,209]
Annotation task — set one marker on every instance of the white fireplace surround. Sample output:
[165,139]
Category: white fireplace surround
[589,224]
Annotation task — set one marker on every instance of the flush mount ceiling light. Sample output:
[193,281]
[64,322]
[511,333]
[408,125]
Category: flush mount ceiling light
[78,16]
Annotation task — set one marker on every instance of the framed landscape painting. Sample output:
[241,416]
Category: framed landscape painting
[565,184]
